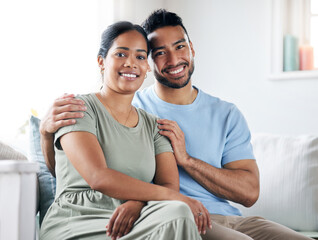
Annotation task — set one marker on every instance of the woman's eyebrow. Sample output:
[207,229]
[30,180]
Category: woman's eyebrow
[127,49]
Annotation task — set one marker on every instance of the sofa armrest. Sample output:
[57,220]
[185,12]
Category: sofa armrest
[17,199]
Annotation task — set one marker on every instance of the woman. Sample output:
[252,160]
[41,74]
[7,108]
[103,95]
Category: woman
[107,161]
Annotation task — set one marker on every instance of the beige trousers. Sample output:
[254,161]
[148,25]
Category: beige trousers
[248,228]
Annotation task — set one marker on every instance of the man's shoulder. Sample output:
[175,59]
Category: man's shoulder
[216,102]
[143,98]
[145,91]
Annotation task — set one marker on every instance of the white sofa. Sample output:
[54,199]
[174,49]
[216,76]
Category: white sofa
[288,175]
[17,195]
[288,181]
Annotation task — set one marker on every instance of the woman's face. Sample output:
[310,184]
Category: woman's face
[126,63]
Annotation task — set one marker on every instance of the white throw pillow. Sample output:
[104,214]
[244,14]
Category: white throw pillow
[289,180]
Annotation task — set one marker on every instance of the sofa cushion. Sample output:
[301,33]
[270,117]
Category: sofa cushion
[8,153]
[289,180]
[46,181]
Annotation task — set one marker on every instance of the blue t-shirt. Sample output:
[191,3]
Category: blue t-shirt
[215,132]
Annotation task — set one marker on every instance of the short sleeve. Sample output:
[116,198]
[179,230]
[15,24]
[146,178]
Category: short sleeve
[162,143]
[85,124]
[238,138]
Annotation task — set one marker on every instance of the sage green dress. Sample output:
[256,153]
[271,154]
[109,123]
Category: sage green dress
[79,212]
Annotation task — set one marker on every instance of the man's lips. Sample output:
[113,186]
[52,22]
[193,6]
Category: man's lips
[177,70]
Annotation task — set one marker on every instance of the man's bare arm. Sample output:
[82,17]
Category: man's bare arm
[238,181]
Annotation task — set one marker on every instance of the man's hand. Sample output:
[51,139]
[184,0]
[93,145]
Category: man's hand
[172,130]
[123,218]
[62,113]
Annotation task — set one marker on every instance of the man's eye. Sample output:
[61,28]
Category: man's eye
[159,53]
[180,46]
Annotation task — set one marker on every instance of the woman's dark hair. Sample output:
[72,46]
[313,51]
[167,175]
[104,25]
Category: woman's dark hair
[116,29]
[162,18]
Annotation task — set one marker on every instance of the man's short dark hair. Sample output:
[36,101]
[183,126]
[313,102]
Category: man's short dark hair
[162,18]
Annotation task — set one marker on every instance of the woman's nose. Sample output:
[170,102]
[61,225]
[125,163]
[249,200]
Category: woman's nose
[130,62]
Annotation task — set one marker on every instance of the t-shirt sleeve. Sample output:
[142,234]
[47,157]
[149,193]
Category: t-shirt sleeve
[85,124]
[162,143]
[238,138]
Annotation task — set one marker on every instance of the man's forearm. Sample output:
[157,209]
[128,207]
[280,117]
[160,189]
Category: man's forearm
[47,146]
[237,185]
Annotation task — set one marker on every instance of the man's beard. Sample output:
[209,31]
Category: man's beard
[177,85]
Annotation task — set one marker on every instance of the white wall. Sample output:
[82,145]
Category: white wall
[232,43]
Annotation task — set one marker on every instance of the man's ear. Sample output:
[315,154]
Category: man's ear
[192,49]
[100,61]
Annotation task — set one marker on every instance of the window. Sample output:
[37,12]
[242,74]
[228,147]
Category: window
[47,48]
[294,39]
[314,30]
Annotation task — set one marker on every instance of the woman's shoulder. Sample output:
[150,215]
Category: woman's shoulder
[147,115]
[90,100]
[87,98]
[150,120]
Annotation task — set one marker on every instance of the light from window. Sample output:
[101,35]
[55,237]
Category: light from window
[47,48]
[314,30]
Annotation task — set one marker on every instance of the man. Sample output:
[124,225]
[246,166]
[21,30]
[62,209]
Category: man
[210,137]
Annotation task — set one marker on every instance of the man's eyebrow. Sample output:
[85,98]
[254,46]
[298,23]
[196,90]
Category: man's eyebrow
[173,44]
[179,41]
[127,49]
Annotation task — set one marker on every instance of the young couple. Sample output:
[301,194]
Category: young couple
[118,167]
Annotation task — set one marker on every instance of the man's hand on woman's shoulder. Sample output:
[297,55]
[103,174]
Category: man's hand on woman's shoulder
[63,112]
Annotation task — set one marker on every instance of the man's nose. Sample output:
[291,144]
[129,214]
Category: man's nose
[172,58]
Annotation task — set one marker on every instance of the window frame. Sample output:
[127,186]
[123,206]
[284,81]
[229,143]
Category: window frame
[279,28]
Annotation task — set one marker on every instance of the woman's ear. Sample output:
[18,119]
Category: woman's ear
[148,68]
[100,61]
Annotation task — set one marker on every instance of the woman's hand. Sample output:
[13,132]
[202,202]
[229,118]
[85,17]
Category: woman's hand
[123,218]
[200,213]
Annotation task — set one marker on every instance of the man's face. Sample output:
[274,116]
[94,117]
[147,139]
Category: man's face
[172,54]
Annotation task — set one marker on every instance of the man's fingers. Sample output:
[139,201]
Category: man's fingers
[200,222]
[67,109]
[67,95]
[67,101]
[169,134]
[209,222]
[67,115]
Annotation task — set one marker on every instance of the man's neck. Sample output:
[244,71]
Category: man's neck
[179,96]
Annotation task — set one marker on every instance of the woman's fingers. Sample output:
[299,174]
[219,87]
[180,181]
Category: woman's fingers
[111,222]
[120,226]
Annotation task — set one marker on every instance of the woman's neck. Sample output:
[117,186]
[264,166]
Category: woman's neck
[114,100]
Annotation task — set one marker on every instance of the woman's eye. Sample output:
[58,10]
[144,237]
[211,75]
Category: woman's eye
[141,57]
[120,54]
